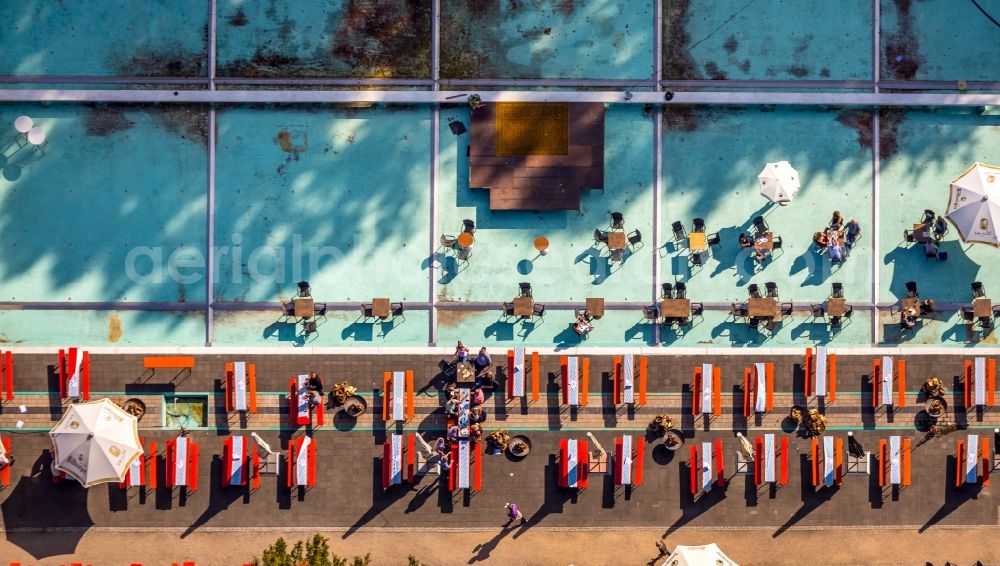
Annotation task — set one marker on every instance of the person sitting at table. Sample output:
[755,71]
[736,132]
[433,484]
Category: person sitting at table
[477,415]
[930,248]
[927,306]
[928,216]
[835,251]
[819,238]
[482,360]
[940,227]
[745,241]
[441,446]
[461,352]
[477,397]
[837,221]
[476,431]
[451,406]
[852,231]
[453,433]
[451,391]
[5,460]
[908,321]
[582,325]
[315,387]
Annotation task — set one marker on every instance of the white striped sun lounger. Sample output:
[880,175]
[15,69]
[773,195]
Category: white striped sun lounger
[820,379]
[706,388]
[518,371]
[628,377]
[886,380]
[573,380]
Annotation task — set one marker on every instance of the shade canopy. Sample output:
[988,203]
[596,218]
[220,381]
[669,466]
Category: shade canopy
[95,442]
[974,204]
[779,182]
[704,555]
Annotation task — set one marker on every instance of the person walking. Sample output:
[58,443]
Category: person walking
[513,514]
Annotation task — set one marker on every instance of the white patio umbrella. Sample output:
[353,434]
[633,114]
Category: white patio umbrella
[704,555]
[974,204]
[779,182]
[95,442]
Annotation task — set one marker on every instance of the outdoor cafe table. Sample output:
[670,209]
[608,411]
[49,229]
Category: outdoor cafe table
[595,307]
[616,240]
[675,308]
[982,307]
[836,306]
[696,241]
[765,244]
[464,373]
[524,306]
[380,308]
[762,307]
[304,307]
[921,233]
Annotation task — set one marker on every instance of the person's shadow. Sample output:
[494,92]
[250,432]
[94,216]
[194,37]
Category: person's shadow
[484,550]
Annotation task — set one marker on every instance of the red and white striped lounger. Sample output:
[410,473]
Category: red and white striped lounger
[240,462]
[7,374]
[894,461]
[624,380]
[980,382]
[758,388]
[882,377]
[770,461]
[517,374]
[74,374]
[821,373]
[397,403]
[466,470]
[302,462]
[241,387]
[707,390]
[575,380]
[707,468]
[574,463]
[832,456]
[182,463]
[973,461]
[628,462]
[398,453]
[136,475]
[299,410]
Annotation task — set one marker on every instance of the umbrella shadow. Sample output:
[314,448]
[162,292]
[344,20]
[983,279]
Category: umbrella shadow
[811,498]
[693,508]
[45,518]
[219,497]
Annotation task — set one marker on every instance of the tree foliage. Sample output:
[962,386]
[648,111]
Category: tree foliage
[312,552]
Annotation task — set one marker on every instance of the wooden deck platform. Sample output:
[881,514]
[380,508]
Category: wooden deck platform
[539,182]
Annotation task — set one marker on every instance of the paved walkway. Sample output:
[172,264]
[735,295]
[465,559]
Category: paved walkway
[349,495]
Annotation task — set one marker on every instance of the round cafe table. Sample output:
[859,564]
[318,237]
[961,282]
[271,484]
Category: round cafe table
[466,239]
[36,136]
[541,244]
[23,124]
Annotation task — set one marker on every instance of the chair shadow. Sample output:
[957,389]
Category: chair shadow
[284,331]
[358,332]
[502,330]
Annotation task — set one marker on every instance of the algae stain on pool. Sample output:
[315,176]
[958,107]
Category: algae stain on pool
[114,328]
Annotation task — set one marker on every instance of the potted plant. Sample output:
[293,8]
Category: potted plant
[661,424]
[498,440]
[341,392]
[933,387]
[519,446]
[816,423]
